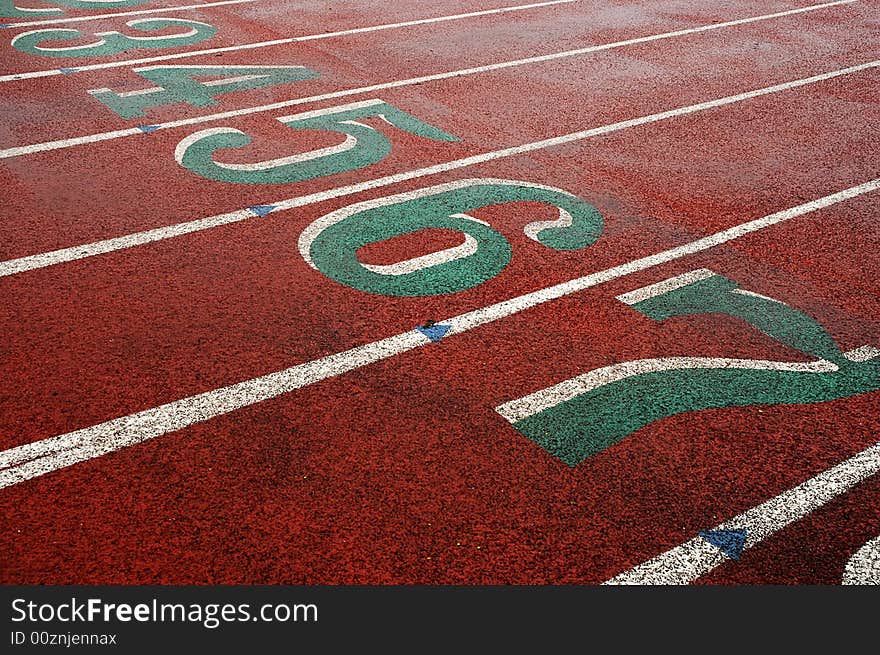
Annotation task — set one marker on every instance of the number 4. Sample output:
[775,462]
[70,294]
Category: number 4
[180,84]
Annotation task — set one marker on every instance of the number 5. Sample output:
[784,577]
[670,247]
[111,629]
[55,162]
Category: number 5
[363,145]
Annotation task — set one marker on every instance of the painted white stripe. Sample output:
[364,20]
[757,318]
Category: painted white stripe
[42,260]
[115,14]
[347,144]
[864,567]
[313,229]
[468,217]
[116,134]
[327,111]
[161,37]
[465,249]
[299,39]
[59,34]
[862,354]
[532,230]
[665,286]
[154,89]
[40,457]
[217,82]
[517,410]
[746,292]
[692,559]
[48,10]
[491,313]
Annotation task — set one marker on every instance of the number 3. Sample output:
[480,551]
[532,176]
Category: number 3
[110,43]
[10,10]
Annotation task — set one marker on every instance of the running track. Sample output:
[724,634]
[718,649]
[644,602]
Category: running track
[186,398]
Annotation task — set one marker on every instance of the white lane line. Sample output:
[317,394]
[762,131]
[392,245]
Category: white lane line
[37,458]
[864,567]
[137,12]
[17,151]
[313,229]
[659,288]
[697,557]
[294,39]
[863,354]
[407,266]
[42,260]
[521,408]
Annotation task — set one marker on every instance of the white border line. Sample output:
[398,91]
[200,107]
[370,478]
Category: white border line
[521,408]
[44,456]
[659,288]
[697,557]
[45,146]
[296,39]
[42,260]
[136,12]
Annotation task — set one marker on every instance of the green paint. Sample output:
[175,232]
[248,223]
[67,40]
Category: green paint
[107,4]
[180,84]
[578,428]
[334,249]
[372,146]
[775,319]
[8,8]
[583,426]
[112,43]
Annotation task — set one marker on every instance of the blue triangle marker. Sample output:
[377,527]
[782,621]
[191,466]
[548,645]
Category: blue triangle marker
[261,210]
[68,71]
[729,542]
[147,129]
[434,332]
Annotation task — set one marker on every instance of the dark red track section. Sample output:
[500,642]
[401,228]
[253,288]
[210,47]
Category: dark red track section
[401,471]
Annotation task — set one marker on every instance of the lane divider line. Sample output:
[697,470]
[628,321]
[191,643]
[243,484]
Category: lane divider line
[136,12]
[104,246]
[44,456]
[46,146]
[697,557]
[298,39]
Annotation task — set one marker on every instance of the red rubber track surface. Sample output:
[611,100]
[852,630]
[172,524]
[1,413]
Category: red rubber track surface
[401,471]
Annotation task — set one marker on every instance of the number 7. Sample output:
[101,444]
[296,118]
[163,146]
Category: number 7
[580,417]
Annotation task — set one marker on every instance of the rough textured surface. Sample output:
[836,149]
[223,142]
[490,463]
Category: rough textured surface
[401,471]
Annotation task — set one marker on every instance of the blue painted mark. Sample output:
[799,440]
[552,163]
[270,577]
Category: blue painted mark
[147,129]
[729,542]
[261,210]
[434,331]
[68,71]
[4,26]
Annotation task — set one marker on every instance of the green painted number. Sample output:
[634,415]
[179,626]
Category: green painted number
[180,84]
[9,9]
[330,244]
[363,145]
[584,415]
[110,43]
